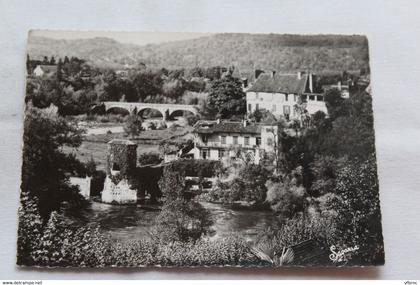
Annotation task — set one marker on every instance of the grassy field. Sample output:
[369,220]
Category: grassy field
[148,141]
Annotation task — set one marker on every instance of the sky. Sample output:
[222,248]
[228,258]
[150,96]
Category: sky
[139,38]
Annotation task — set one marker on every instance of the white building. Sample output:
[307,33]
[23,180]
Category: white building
[279,93]
[45,70]
[216,140]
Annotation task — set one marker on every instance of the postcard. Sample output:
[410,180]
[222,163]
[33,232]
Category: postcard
[188,149]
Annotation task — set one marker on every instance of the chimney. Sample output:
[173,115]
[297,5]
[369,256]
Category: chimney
[218,121]
[273,73]
[311,86]
[339,85]
[299,75]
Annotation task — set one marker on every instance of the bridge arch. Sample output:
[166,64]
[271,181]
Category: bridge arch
[118,110]
[181,112]
[150,110]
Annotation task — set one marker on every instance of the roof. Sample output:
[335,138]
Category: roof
[48,68]
[121,141]
[280,83]
[206,127]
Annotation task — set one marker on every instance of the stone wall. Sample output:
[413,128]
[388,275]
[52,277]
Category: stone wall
[120,193]
[83,184]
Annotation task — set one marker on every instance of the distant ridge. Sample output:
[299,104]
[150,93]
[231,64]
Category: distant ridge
[285,53]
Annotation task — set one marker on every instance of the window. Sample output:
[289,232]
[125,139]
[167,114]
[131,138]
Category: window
[320,98]
[115,167]
[286,97]
[205,153]
[246,141]
[286,110]
[223,139]
[311,97]
[249,107]
[256,95]
[304,98]
[257,107]
[295,97]
[274,108]
[258,140]
[269,141]
[221,153]
[235,140]
[204,139]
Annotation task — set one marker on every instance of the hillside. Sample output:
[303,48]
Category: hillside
[320,53]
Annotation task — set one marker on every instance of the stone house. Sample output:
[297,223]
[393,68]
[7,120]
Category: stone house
[215,140]
[280,93]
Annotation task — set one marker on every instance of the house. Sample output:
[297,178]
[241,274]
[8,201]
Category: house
[45,70]
[216,140]
[280,93]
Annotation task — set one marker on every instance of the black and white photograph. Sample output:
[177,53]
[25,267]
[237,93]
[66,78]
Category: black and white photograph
[176,149]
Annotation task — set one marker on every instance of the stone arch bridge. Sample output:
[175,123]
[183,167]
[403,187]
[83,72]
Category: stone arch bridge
[165,109]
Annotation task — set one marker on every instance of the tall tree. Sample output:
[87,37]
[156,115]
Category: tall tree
[45,167]
[226,97]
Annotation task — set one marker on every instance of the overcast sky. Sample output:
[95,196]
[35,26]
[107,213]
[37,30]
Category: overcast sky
[139,38]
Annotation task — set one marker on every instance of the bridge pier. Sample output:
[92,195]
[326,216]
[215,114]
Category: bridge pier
[165,115]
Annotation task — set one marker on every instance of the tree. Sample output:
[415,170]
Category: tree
[45,167]
[147,84]
[182,218]
[359,216]
[334,103]
[133,125]
[226,98]
[59,70]
[251,184]
[90,167]
[149,158]
[52,61]
[286,195]
[262,115]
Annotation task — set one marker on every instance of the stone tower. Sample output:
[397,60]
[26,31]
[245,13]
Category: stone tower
[120,172]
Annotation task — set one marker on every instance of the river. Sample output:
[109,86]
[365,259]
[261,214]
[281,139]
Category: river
[131,222]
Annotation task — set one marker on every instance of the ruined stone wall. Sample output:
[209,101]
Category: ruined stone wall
[120,186]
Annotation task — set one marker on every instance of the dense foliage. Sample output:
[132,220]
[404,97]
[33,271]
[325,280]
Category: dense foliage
[182,218]
[45,133]
[226,98]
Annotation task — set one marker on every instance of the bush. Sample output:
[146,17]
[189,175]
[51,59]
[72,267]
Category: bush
[150,126]
[56,243]
[232,251]
[149,158]
[133,125]
[161,126]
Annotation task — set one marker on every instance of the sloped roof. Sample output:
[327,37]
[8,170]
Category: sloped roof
[280,83]
[227,127]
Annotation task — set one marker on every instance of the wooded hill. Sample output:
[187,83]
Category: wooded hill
[285,53]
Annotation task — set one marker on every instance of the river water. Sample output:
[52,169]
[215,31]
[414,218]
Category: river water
[131,222]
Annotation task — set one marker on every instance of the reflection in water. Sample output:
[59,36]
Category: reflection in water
[131,222]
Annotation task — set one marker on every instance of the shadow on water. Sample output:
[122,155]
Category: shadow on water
[131,222]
